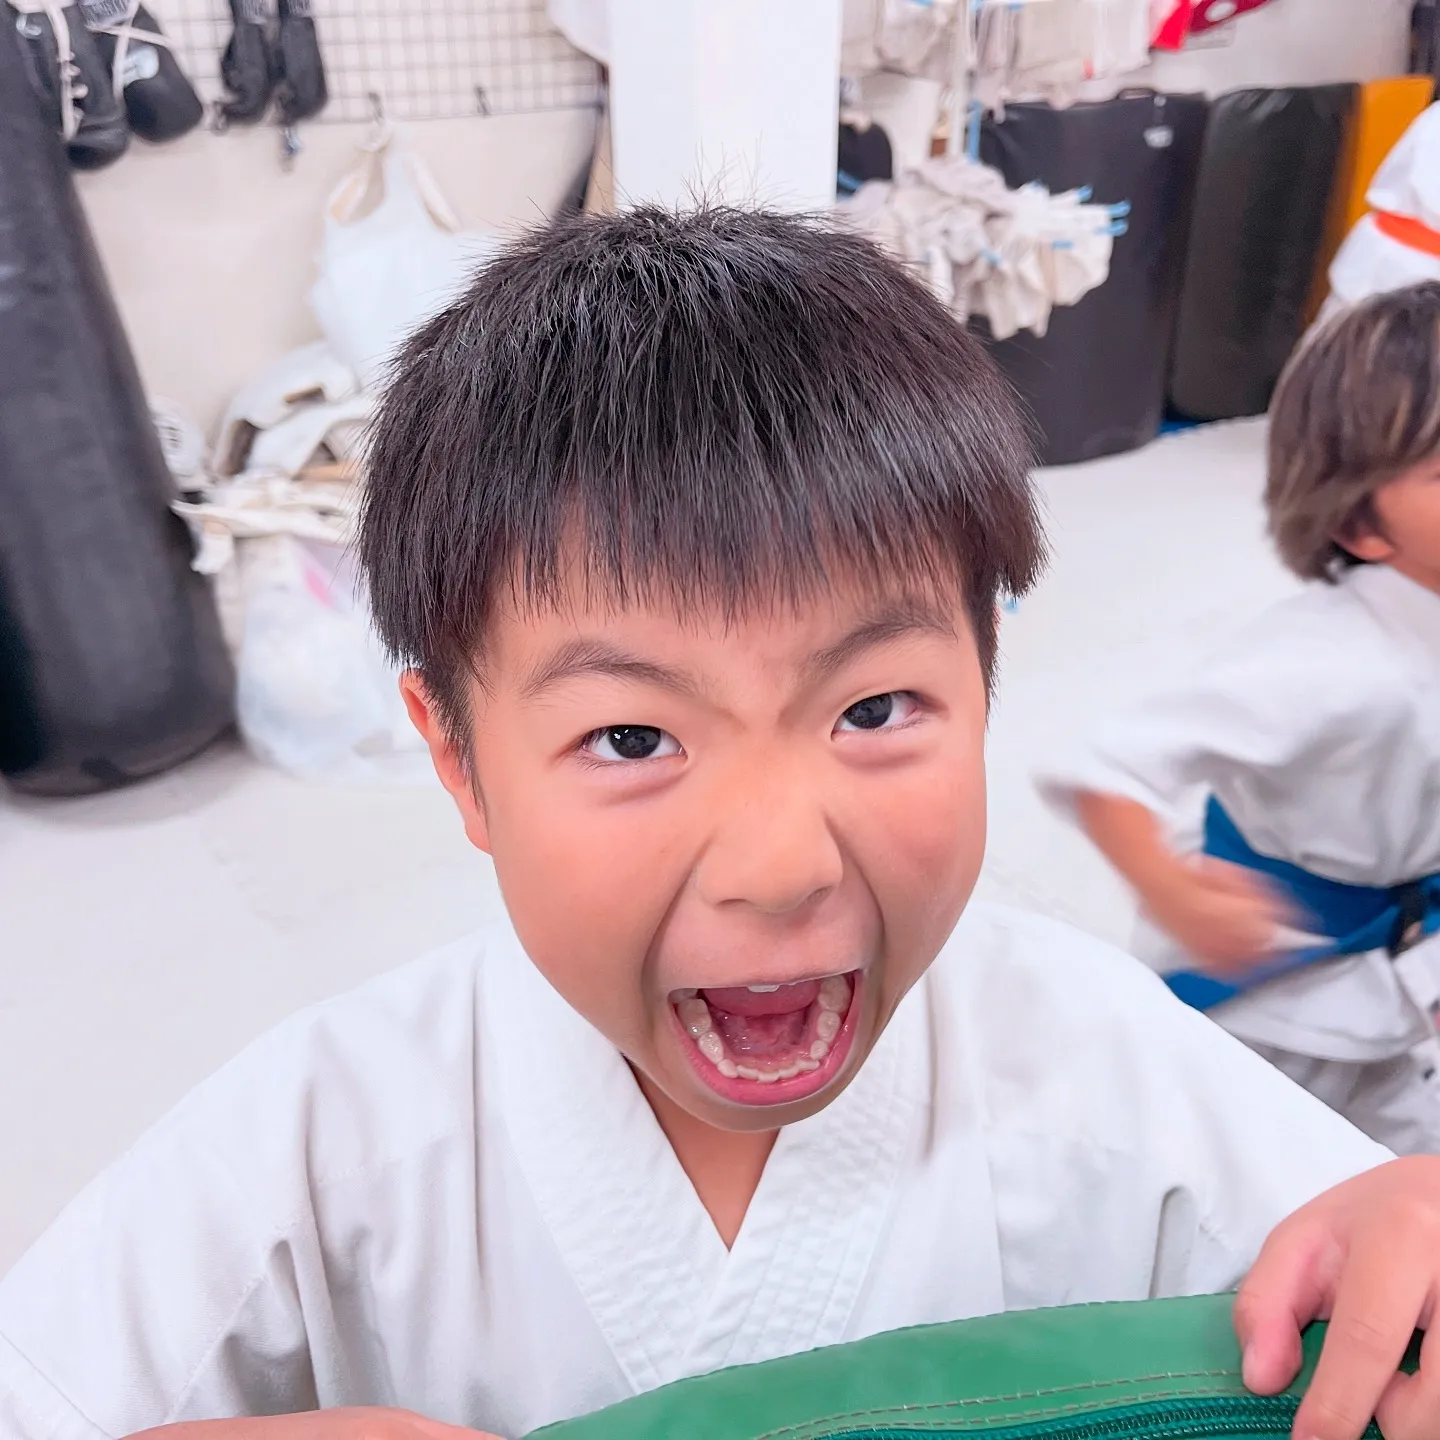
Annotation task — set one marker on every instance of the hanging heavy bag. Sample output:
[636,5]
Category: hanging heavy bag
[72,82]
[1267,170]
[1095,381]
[249,66]
[112,664]
[160,103]
[300,89]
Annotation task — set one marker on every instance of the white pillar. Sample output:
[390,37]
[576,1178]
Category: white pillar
[733,101]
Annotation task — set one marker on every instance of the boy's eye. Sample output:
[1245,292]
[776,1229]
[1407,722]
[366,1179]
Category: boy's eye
[878,712]
[631,742]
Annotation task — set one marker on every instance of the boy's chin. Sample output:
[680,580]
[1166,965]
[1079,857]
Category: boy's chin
[702,1104]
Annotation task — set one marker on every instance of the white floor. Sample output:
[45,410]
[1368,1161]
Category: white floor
[146,935]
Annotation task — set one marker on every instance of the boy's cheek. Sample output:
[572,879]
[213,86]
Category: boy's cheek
[933,820]
[922,880]
[934,845]
[585,897]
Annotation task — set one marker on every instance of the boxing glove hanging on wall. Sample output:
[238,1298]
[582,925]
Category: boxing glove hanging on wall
[72,81]
[249,67]
[160,103]
[300,90]
[112,664]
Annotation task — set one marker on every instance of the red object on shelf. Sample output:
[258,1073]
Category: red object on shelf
[1210,13]
[1172,24]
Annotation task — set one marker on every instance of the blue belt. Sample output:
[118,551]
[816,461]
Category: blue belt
[1357,918]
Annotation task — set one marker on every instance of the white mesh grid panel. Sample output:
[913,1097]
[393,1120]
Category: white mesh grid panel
[425,59]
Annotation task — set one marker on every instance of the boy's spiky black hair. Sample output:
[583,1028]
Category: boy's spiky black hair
[719,409]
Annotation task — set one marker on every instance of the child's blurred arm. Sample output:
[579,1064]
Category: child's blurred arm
[1222,914]
[355,1423]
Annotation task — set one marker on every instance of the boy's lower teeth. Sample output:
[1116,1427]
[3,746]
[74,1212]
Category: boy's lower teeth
[823,1020]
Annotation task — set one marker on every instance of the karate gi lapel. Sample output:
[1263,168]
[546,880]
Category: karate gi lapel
[641,1248]
[812,1230]
[638,1243]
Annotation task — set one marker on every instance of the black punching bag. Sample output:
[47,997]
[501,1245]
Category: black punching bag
[112,664]
[1266,174]
[1095,382]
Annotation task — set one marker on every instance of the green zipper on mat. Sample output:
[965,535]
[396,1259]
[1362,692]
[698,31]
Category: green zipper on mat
[1250,1417]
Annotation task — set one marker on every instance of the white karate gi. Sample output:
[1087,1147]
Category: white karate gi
[444,1191]
[1318,730]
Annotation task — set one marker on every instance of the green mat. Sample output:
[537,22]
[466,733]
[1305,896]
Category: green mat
[1160,1368]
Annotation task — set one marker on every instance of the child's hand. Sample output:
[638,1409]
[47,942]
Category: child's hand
[1224,915]
[1365,1255]
[352,1423]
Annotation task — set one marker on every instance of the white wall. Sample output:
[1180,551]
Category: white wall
[736,102]
[210,246]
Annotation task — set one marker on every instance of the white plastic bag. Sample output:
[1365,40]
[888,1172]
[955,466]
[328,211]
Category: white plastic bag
[315,693]
[393,255]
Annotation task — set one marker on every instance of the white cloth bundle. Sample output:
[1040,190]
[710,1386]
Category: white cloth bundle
[1010,255]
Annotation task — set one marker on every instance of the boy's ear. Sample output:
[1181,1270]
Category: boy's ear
[1367,544]
[449,763]
[1364,537]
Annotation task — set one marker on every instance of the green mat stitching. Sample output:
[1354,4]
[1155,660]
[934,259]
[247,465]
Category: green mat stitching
[1049,1412]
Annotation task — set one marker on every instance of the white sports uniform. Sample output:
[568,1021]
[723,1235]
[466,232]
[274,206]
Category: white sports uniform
[1318,730]
[444,1191]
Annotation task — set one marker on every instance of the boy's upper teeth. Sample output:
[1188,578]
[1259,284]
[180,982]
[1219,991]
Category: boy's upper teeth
[836,986]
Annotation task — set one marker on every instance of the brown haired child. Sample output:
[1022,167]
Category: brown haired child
[1307,927]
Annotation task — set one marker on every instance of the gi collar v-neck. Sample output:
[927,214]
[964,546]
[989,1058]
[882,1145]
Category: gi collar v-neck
[644,1254]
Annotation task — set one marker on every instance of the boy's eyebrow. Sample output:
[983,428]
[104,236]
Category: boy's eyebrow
[891,623]
[598,657]
[583,656]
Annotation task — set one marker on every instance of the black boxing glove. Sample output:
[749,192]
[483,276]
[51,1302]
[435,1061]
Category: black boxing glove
[160,103]
[301,89]
[248,67]
[73,82]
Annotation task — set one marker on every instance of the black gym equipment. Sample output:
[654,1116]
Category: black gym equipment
[112,663]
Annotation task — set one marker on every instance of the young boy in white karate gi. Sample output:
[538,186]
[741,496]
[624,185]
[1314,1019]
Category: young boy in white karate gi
[691,531]
[1315,738]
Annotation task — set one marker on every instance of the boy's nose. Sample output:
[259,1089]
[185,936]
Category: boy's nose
[771,848]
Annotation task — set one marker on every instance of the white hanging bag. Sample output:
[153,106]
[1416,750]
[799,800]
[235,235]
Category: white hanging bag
[393,255]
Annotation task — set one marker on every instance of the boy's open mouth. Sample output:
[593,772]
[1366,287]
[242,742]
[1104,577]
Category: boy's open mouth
[769,1044]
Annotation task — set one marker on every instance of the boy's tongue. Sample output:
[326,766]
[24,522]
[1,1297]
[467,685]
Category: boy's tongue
[762,1022]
